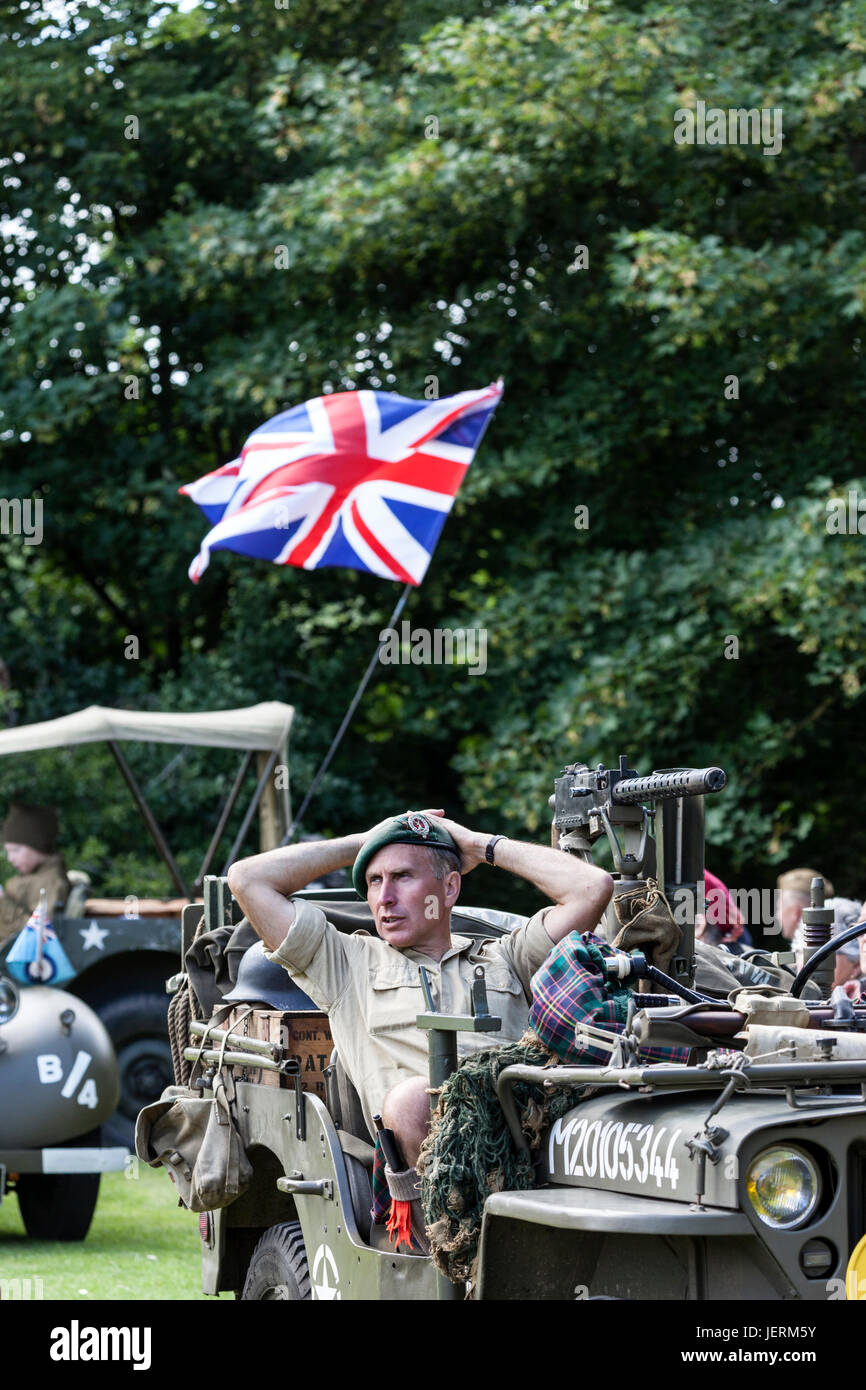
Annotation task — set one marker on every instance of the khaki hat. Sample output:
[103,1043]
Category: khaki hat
[800,881]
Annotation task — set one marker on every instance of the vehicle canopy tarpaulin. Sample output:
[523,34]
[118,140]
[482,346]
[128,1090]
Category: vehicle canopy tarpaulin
[262,728]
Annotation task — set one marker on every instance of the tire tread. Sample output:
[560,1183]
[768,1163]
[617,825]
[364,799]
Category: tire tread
[280,1252]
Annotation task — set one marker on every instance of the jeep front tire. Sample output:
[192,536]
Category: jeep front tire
[278,1270]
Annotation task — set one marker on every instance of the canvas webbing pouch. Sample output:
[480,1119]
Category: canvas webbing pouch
[197,1141]
[647,924]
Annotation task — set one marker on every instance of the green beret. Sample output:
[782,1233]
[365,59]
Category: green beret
[411,829]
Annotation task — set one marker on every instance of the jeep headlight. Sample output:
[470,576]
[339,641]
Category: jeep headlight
[784,1186]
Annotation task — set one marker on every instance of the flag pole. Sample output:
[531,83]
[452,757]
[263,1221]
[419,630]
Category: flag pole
[40,931]
[347,719]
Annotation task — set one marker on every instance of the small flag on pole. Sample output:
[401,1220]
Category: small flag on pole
[363,479]
[36,957]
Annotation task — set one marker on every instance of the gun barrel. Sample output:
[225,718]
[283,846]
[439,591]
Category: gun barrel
[691,781]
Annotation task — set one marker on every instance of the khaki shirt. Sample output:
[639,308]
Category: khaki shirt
[372,993]
[21,894]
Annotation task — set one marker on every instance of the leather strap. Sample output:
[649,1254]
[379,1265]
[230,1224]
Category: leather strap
[351,1144]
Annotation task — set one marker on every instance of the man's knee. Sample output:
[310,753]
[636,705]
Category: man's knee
[406,1110]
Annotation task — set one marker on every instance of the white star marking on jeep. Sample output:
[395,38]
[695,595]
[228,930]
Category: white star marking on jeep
[325,1266]
[94,935]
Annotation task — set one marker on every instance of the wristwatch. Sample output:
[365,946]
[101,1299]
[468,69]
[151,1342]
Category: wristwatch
[488,853]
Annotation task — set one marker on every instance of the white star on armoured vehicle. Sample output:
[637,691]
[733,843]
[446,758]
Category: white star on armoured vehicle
[93,935]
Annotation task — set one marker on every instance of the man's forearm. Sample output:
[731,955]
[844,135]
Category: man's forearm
[263,883]
[579,890]
[556,874]
[582,889]
[290,868]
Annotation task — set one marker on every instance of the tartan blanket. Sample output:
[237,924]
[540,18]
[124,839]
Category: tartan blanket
[381,1196]
[572,987]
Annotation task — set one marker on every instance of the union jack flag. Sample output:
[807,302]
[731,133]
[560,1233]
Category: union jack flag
[362,479]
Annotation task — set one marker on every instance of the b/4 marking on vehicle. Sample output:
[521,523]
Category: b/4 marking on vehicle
[615,1150]
[50,1069]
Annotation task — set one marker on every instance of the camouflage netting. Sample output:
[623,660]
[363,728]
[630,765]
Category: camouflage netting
[470,1153]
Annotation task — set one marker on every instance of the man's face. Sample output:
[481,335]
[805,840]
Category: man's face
[846,969]
[411,908]
[791,911]
[23,858]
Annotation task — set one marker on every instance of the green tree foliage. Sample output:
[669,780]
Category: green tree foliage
[214,213]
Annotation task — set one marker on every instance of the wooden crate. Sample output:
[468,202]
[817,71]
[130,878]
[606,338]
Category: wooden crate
[305,1036]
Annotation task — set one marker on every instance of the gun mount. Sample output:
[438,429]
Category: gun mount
[661,820]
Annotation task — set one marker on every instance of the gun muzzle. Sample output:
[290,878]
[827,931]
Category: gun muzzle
[659,786]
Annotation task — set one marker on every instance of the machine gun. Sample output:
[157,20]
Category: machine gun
[661,820]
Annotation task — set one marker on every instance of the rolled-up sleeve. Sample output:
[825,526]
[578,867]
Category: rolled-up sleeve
[314,954]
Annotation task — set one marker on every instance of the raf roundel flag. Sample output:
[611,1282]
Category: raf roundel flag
[363,479]
[36,957]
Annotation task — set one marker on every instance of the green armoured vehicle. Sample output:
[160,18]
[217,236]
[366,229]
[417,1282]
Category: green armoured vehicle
[58,1086]
[739,1176]
[122,949]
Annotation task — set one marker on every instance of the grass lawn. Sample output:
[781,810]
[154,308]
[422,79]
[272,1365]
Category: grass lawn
[141,1245]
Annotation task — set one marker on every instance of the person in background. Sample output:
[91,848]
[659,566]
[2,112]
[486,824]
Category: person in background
[846,913]
[793,894]
[722,924]
[29,836]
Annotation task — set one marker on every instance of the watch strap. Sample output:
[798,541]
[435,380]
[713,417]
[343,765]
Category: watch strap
[491,846]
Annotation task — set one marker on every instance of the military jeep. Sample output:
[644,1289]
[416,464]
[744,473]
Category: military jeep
[741,1175]
[303,1229]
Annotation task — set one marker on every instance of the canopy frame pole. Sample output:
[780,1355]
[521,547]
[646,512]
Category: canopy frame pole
[347,719]
[285,797]
[251,810]
[149,819]
[224,817]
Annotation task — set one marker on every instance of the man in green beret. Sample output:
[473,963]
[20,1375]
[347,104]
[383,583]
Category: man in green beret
[29,835]
[409,869]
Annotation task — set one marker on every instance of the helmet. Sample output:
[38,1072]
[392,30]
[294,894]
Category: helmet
[263,981]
